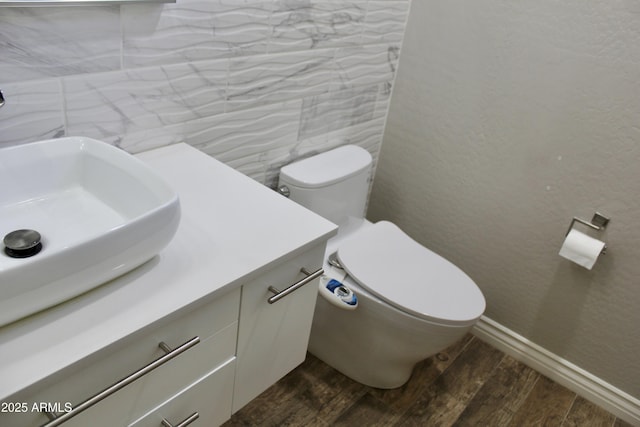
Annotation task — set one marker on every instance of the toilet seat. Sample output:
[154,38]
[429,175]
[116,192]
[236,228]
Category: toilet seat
[410,277]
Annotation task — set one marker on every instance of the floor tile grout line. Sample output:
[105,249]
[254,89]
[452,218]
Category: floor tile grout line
[566,415]
[354,401]
[452,361]
[495,368]
[524,398]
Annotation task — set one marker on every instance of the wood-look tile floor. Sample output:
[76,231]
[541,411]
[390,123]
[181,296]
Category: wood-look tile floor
[469,384]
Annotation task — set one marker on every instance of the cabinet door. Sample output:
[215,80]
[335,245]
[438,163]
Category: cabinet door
[273,338]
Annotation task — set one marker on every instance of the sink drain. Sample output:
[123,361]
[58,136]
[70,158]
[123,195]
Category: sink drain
[22,243]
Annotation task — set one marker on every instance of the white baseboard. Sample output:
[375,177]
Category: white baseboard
[592,388]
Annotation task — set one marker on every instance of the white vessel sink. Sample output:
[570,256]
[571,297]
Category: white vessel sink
[100,213]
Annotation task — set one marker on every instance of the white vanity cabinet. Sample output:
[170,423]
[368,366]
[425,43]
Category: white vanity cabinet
[204,300]
[239,345]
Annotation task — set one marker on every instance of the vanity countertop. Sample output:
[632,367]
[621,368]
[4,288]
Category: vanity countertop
[232,230]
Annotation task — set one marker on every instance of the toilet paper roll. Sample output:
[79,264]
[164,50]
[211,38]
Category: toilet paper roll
[581,249]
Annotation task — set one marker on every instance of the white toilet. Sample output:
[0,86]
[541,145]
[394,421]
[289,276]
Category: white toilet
[411,302]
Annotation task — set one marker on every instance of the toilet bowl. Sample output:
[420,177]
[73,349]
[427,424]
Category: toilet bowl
[412,303]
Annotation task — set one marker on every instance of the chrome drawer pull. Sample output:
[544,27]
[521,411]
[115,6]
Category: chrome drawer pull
[281,294]
[56,420]
[191,418]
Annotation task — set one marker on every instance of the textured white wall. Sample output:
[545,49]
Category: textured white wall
[507,119]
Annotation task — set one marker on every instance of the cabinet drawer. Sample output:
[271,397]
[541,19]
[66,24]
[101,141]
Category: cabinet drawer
[157,387]
[216,325]
[273,338]
[209,397]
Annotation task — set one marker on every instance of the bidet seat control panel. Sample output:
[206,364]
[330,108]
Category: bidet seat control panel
[337,293]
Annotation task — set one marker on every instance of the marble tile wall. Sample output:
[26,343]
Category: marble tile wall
[254,83]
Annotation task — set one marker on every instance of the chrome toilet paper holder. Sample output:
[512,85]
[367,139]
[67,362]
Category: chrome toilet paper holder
[599,222]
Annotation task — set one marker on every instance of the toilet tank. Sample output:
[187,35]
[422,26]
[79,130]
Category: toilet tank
[333,184]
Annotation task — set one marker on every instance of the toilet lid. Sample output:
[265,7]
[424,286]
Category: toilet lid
[410,277]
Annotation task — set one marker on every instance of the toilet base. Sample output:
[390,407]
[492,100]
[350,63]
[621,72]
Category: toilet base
[376,344]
